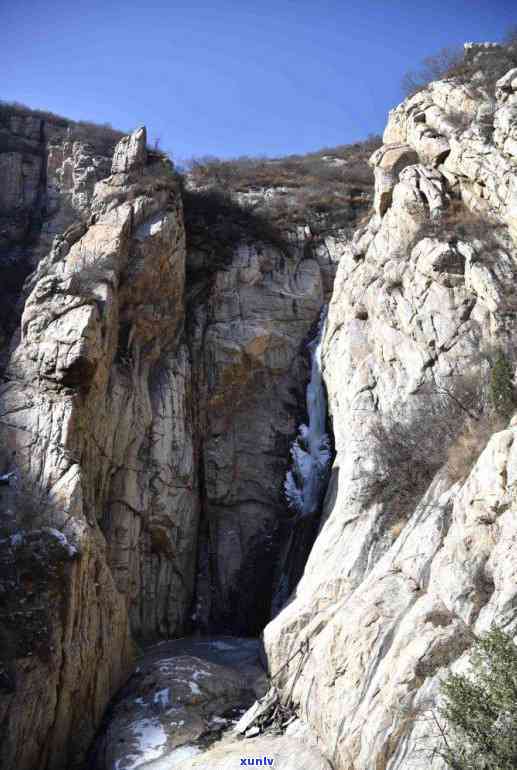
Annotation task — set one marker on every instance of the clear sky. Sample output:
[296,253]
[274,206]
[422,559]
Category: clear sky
[231,77]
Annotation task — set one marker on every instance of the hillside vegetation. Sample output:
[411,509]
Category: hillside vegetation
[326,190]
[463,66]
[101,135]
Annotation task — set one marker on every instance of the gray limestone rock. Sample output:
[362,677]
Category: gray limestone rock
[415,548]
[130,153]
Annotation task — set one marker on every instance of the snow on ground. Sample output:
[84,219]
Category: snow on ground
[151,739]
[177,756]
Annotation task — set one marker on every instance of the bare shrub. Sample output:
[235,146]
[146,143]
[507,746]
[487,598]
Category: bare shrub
[214,219]
[26,504]
[412,447]
[17,109]
[294,171]
[33,506]
[326,189]
[457,222]
[454,63]
[102,136]
[446,63]
[450,425]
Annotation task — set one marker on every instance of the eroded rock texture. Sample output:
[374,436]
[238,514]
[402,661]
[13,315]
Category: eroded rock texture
[48,174]
[101,522]
[250,373]
[416,549]
[147,411]
[146,420]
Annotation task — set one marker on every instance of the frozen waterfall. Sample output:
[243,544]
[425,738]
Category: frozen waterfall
[311,453]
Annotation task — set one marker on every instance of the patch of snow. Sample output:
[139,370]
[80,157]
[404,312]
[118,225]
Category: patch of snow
[197,674]
[72,550]
[181,753]
[151,739]
[152,226]
[194,688]
[162,697]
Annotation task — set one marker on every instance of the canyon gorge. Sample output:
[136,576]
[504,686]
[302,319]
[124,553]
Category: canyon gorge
[260,467]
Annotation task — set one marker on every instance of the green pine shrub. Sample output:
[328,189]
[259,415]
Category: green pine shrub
[502,395]
[480,711]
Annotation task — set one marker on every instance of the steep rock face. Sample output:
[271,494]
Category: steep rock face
[101,521]
[122,424]
[246,337]
[48,176]
[409,557]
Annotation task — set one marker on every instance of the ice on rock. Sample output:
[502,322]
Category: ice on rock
[311,455]
[162,698]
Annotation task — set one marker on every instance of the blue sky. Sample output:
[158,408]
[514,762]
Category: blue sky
[228,77]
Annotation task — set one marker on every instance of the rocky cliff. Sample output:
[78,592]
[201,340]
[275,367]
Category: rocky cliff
[48,168]
[153,384]
[149,397]
[83,415]
[415,554]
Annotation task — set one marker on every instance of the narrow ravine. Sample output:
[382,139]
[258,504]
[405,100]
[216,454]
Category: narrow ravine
[186,695]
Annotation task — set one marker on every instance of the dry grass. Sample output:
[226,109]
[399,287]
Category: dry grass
[457,222]
[463,453]
[294,171]
[328,189]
